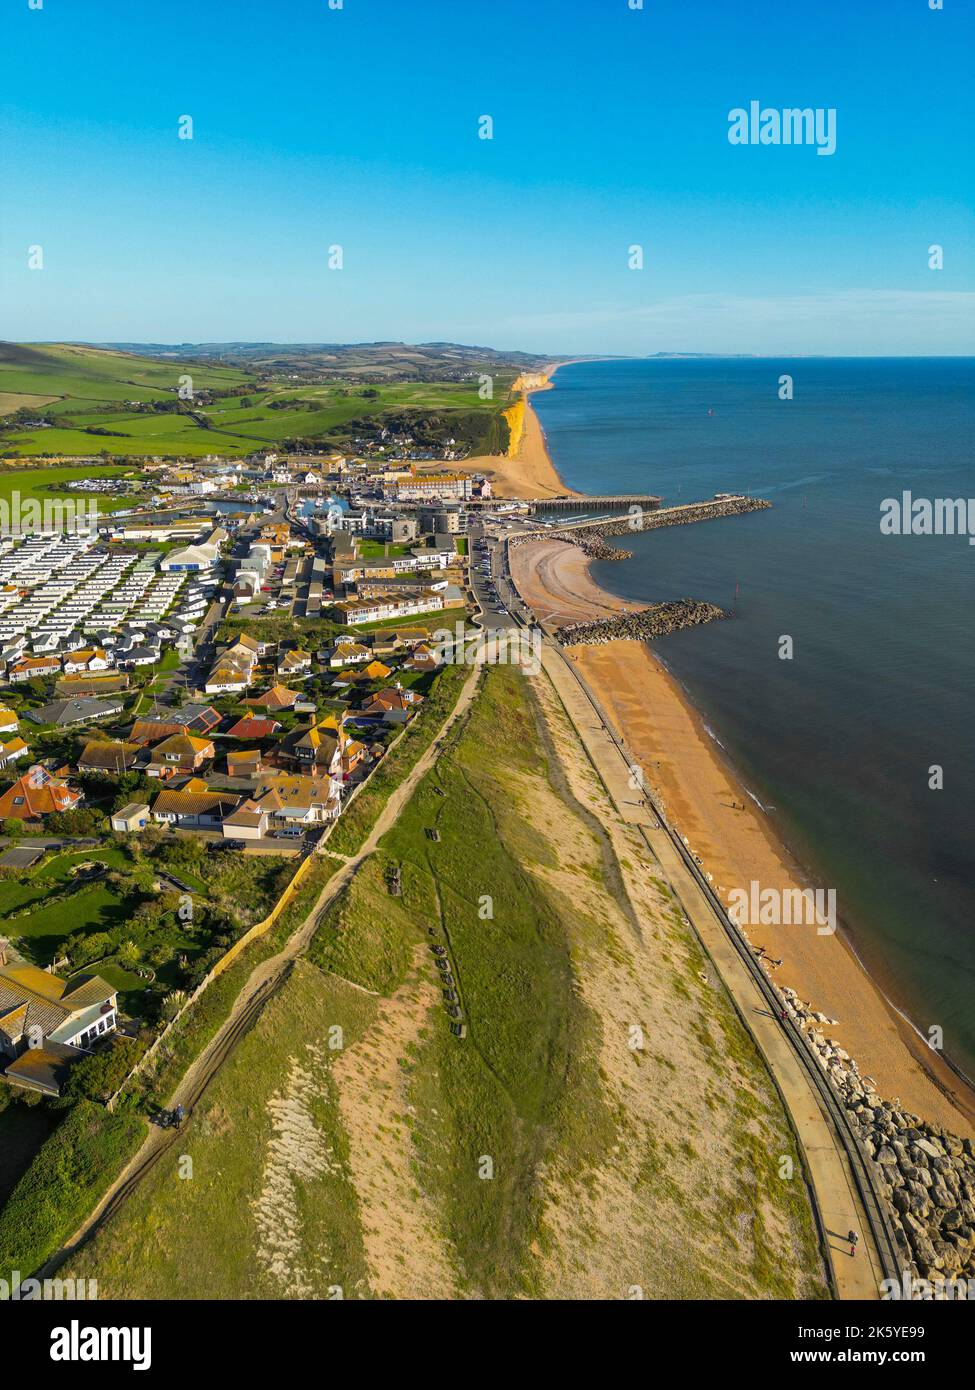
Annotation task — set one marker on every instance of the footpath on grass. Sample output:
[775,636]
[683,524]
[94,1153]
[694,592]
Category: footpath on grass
[264,980]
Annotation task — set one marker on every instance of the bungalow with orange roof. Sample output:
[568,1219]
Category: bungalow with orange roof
[375,671]
[85,659]
[47,1023]
[146,731]
[294,663]
[180,753]
[38,794]
[9,722]
[249,648]
[277,698]
[392,706]
[196,719]
[191,809]
[250,728]
[226,678]
[346,653]
[29,668]
[108,755]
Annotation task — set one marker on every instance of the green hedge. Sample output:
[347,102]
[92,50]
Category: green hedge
[66,1179]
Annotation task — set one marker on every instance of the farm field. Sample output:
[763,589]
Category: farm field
[353,1147]
[96,376]
[85,391]
[40,484]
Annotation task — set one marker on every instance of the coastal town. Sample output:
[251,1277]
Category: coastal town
[195,677]
[484,787]
[204,687]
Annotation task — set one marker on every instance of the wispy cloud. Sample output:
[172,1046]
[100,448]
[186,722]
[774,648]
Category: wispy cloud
[851,321]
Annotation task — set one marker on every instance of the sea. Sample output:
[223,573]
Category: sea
[842,691]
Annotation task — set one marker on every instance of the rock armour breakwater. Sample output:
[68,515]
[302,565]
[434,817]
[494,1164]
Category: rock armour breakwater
[589,540]
[590,537]
[926,1174]
[644,625]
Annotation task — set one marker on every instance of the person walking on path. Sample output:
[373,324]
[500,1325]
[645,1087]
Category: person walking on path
[852,1238]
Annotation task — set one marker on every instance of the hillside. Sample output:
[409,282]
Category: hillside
[605,1129]
[366,362]
[62,401]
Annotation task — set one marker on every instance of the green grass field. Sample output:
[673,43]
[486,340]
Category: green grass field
[68,1174]
[42,484]
[353,1147]
[87,389]
[96,376]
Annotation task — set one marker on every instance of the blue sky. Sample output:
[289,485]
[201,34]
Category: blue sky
[358,127]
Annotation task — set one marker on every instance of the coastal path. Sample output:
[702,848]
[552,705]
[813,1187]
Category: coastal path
[843,1194]
[265,981]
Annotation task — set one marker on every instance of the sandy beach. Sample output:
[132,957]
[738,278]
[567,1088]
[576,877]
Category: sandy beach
[734,839]
[530,473]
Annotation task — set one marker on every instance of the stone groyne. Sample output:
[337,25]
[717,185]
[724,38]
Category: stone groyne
[589,541]
[590,536]
[643,625]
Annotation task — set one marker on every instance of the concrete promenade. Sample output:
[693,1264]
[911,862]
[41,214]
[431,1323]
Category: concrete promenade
[834,1190]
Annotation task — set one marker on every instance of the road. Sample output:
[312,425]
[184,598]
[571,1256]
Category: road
[264,982]
[499,580]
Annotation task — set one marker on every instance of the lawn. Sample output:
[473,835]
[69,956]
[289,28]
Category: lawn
[53,873]
[372,550]
[129,985]
[41,932]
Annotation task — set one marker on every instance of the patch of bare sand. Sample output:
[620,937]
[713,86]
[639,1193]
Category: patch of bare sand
[407,1258]
[665,1214]
[554,578]
[297,1152]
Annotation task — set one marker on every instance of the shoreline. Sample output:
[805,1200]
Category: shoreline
[703,794]
[530,473]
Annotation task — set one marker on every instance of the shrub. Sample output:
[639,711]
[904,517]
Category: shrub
[68,1175]
[99,1076]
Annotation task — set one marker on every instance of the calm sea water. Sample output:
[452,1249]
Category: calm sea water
[838,742]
